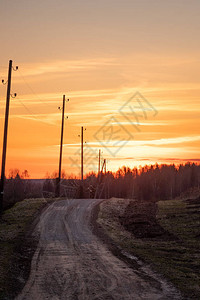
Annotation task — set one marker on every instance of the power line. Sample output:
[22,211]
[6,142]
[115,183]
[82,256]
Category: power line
[32,91]
[72,130]
[33,114]
[38,98]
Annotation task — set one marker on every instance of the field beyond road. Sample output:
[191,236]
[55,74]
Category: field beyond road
[170,243]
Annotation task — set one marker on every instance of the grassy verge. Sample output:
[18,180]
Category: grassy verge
[16,245]
[178,258]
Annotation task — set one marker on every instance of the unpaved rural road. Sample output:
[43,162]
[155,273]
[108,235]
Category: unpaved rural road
[72,263]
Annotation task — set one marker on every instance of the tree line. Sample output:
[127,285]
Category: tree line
[153,182]
[148,183]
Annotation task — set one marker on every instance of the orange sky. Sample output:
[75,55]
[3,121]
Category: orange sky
[99,54]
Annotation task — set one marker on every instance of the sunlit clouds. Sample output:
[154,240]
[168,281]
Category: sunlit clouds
[100,54]
[34,129]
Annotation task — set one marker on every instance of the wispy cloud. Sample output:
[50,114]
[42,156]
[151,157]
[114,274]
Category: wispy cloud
[50,119]
[62,66]
[177,140]
[161,142]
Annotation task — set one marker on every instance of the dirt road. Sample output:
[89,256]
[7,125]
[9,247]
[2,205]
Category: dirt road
[72,263]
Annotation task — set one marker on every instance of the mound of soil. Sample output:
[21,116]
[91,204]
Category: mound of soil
[193,202]
[140,219]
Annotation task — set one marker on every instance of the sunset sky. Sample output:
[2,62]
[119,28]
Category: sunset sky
[100,54]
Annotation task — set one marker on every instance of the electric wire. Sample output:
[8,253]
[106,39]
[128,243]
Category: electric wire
[31,89]
[33,114]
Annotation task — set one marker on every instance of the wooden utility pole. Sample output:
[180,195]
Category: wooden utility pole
[5,137]
[99,161]
[61,146]
[82,153]
[81,186]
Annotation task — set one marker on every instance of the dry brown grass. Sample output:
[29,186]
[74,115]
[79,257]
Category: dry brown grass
[14,225]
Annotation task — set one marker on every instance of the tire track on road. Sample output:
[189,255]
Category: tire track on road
[72,263]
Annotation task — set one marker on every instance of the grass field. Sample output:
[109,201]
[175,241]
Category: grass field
[178,257]
[16,244]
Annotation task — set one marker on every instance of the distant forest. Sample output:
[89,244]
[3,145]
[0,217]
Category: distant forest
[153,182]
[148,183]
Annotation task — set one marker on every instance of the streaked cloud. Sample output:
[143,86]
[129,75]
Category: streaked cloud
[64,66]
